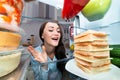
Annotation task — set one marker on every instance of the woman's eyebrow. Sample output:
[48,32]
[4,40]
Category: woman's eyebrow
[53,27]
[50,26]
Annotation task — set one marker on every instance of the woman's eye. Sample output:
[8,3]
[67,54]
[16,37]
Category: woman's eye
[58,31]
[50,30]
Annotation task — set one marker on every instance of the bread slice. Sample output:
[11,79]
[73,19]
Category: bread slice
[94,70]
[92,46]
[95,63]
[91,57]
[95,54]
[97,33]
[90,35]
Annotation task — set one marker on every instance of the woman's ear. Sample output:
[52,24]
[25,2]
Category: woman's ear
[42,36]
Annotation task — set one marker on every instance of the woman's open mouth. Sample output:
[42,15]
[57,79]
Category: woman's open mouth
[55,39]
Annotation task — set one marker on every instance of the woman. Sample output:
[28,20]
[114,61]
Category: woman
[43,57]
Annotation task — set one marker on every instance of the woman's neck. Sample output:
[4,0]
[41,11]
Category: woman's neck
[50,51]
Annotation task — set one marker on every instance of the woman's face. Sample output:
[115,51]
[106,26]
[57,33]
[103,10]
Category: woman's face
[51,34]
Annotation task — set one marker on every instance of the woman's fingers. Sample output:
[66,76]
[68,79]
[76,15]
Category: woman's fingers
[41,57]
[37,55]
[32,51]
[37,59]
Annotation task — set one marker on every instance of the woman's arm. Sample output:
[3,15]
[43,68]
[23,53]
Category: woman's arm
[40,73]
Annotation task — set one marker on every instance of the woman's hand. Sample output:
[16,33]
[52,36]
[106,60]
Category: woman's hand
[39,56]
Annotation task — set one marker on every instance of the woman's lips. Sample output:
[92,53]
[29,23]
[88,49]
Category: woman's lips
[55,39]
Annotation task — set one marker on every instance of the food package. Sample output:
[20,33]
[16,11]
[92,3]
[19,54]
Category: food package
[10,14]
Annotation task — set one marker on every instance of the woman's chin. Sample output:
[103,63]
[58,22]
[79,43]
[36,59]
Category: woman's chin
[54,44]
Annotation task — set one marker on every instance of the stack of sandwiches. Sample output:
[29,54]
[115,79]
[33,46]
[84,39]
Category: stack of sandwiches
[91,52]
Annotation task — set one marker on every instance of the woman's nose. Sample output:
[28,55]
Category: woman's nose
[56,33]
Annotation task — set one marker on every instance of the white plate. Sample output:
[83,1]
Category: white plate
[113,74]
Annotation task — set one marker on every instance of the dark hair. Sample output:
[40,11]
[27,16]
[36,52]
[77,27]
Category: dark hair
[60,49]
